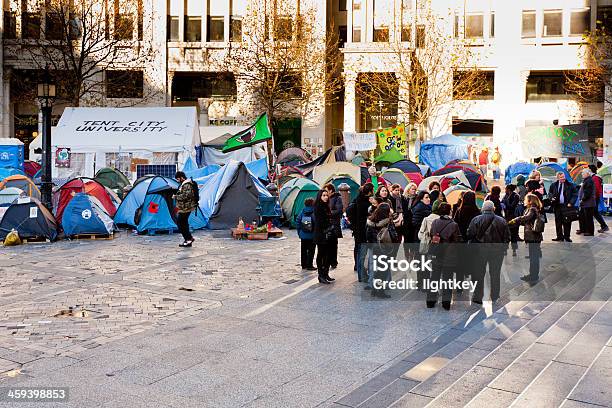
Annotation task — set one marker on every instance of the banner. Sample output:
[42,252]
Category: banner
[359,142]
[555,141]
[256,133]
[607,191]
[391,137]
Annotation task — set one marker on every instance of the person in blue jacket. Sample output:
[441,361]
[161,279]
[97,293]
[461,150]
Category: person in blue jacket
[305,229]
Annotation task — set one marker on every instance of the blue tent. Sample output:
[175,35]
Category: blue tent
[227,195]
[149,205]
[407,166]
[202,171]
[440,150]
[549,170]
[84,214]
[517,168]
[9,171]
[259,168]
[189,165]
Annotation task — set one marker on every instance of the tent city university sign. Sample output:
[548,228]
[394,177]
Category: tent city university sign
[154,126]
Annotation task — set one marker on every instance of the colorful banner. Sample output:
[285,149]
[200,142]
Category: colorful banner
[359,142]
[391,137]
[555,141]
[256,133]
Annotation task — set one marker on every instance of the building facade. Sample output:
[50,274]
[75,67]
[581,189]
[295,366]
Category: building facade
[525,46]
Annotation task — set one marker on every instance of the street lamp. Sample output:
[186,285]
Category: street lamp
[46,95]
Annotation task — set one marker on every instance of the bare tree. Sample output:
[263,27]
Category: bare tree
[82,39]
[430,75]
[287,61]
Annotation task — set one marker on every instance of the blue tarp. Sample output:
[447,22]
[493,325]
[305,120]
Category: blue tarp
[259,168]
[555,167]
[189,165]
[203,171]
[226,195]
[151,196]
[83,215]
[9,171]
[517,168]
[440,150]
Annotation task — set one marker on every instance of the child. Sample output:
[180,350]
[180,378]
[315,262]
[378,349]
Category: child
[305,229]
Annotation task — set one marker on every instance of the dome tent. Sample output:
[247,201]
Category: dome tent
[113,179]
[396,176]
[68,190]
[84,214]
[30,219]
[23,183]
[390,156]
[605,172]
[293,194]
[324,172]
[437,152]
[517,168]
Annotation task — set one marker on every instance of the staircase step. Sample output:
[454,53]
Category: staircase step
[467,387]
[586,345]
[390,394]
[490,397]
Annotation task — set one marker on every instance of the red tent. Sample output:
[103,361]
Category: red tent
[88,186]
[31,168]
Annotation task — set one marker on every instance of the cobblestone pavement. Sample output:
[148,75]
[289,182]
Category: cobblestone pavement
[136,321]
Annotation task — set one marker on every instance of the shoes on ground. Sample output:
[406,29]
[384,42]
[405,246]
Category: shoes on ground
[557,239]
[602,230]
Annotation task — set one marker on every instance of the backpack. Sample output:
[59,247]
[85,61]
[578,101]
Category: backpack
[436,238]
[196,192]
[538,224]
[351,212]
[387,235]
[306,223]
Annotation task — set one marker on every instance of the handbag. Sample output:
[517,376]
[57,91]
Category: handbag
[398,219]
[569,214]
[330,233]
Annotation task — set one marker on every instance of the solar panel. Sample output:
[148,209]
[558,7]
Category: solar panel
[165,170]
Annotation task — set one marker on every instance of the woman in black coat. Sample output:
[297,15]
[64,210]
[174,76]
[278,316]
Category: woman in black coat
[362,203]
[337,209]
[420,210]
[466,212]
[323,228]
[533,210]
[495,196]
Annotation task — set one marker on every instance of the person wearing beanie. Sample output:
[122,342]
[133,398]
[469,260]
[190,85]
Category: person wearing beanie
[521,190]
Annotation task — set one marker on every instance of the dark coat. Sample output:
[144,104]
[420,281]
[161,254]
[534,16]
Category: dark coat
[510,202]
[337,209]
[419,212]
[533,186]
[528,219]
[570,194]
[497,202]
[307,211]
[362,203]
[322,223]
[587,193]
[489,228]
[464,217]
[406,229]
[446,255]
[373,228]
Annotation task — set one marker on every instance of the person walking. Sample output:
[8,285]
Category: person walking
[603,227]
[534,229]
[496,161]
[444,232]
[588,203]
[510,203]
[187,198]
[379,220]
[483,161]
[305,229]
[402,214]
[495,196]
[563,195]
[323,234]
[492,235]
[535,185]
[420,211]
[362,203]
[337,209]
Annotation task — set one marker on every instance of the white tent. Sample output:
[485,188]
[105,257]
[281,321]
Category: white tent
[98,137]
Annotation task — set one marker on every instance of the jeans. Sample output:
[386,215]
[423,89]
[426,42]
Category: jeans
[535,253]
[323,259]
[600,219]
[362,252]
[496,174]
[182,223]
[307,253]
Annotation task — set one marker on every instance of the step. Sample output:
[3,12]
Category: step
[594,386]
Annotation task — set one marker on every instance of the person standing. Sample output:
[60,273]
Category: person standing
[495,196]
[186,202]
[603,227]
[434,191]
[588,202]
[383,194]
[510,203]
[420,211]
[379,220]
[483,161]
[521,190]
[376,179]
[305,229]
[336,208]
[533,235]
[492,235]
[401,208]
[535,185]
[323,229]
[410,194]
[562,195]
[362,203]
[496,161]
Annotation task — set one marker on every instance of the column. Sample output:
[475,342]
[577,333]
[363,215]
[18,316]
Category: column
[181,16]
[169,88]
[226,21]
[349,21]
[350,112]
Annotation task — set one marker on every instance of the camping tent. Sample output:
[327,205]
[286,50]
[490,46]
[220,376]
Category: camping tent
[440,150]
[227,195]
[10,171]
[31,168]
[476,180]
[445,180]
[67,191]
[605,172]
[113,179]
[331,155]
[576,172]
[11,153]
[23,183]
[322,173]
[549,171]
[407,166]
[337,180]
[517,168]
[149,205]
[259,168]
[453,193]
[293,156]
[293,194]
[84,214]
[9,195]
[213,140]
[396,176]
[389,156]
[30,219]
[98,136]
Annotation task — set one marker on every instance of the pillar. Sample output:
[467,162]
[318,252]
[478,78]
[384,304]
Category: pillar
[350,111]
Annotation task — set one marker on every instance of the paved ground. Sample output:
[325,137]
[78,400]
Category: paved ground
[137,322]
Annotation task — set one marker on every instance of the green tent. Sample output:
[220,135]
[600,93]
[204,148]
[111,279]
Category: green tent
[113,179]
[293,194]
[353,185]
[390,156]
[606,174]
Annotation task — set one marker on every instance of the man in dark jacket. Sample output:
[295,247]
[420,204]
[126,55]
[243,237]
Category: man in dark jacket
[562,195]
[598,198]
[336,208]
[492,234]
[305,229]
[362,203]
[185,203]
[588,203]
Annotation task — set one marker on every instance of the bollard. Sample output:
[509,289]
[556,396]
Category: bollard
[345,193]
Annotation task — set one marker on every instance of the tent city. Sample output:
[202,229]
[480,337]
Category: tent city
[306,203]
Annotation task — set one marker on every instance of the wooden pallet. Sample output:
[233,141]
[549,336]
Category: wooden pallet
[35,241]
[93,236]
[153,232]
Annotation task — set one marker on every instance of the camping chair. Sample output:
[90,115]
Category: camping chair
[269,209]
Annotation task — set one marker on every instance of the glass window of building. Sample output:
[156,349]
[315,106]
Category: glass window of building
[30,25]
[172,29]
[342,36]
[474,26]
[464,88]
[604,18]
[10,25]
[124,19]
[406,18]
[54,29]
[492,25]
[124,84]
[237,12]
[546,86]
[216,21]
[528,24]
[420,36]
[283,28]
[553,23]
[580,21]
[382,19]
[193,20]
[341,5]
[456,25]
[357,20]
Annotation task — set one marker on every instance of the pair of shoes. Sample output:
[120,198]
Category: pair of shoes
[431,304]
[329,278]
[323,280]
[587,235]
[446,305]
[334,266]
[601,231]
[557,239]
[528,279]
[568,240]
[578,232]
[478,302]
[186,244]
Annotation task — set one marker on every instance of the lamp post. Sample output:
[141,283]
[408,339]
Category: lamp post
[46,95]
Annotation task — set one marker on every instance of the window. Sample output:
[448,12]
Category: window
[406,33]
[604,17]
[492,26]
[474,26]
[456,32]
[546,86]
[30,25]
[236,28]
[215,28]
[193,21]
[173,28]
[140,12]
[420,36]
[10,25]
[580,21]
[191,86]
[283,28]
[463,85]
[473,127]
[529,24]
[342,36]
[54,26]
[357,20]
[124,84]
[553,23]
[124,20]
[356,34]
[382,20]
[341,5]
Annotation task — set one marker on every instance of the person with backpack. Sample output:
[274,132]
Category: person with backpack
[496,163]
[491,234]
[444,232]
[380,230]
[510,204]
[357,214]
[187,198]
[324,232]
[305,229]
[533,219]
[337,209]
[598,199]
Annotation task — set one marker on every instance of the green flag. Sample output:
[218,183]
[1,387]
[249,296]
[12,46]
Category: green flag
[256,133]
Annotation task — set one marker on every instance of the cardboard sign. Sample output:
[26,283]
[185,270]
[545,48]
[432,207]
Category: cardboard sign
[607,191]
[391,137]
[359,142]
[33,212]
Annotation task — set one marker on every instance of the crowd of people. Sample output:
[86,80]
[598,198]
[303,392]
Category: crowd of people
[387,214]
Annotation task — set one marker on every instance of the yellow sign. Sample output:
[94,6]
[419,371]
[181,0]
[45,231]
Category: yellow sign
[391,137]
